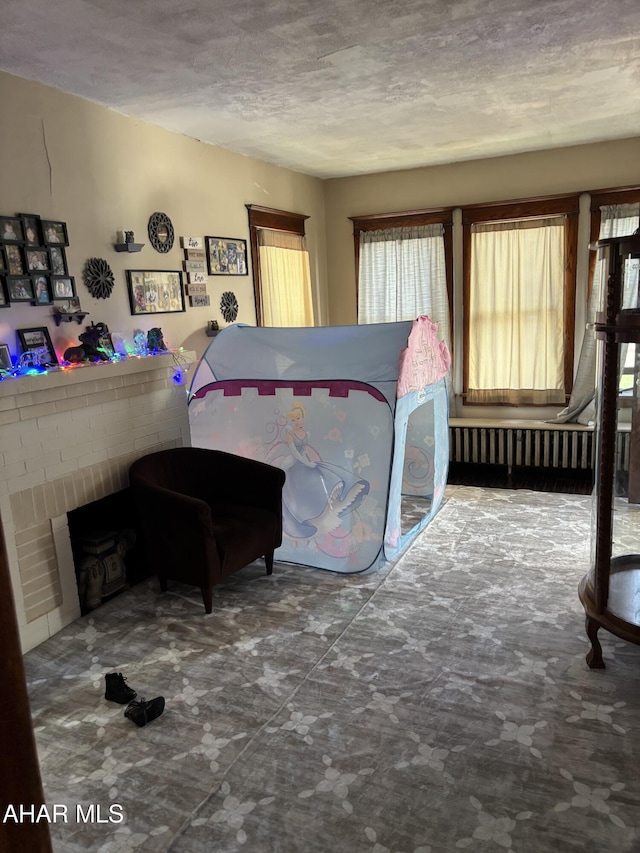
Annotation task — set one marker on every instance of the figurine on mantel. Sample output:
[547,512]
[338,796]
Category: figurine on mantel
[89,348]
[155,341]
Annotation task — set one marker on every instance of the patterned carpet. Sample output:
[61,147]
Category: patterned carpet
[439,704]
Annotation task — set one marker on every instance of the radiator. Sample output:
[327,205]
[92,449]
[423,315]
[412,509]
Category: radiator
[534,447]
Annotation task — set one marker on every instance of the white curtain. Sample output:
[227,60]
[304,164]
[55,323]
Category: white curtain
[516,312]
[402,275]
[617,220]
[285,279]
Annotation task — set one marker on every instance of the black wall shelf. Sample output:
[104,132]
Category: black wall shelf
[128,247]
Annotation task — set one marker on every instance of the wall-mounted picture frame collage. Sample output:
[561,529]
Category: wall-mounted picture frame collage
[155,291]
[226,256]
[33,263]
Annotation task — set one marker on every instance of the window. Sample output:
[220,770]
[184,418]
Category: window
[519,301]
[281,269]
[615,214]
[404,267]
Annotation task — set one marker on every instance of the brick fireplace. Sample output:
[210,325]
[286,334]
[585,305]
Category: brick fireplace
[67,438]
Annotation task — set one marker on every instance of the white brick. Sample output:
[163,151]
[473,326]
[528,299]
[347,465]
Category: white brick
[61,470]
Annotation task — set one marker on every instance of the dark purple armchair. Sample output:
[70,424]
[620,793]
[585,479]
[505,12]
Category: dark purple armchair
[205,514]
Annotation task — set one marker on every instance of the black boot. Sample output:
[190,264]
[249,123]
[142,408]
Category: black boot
[143,712]
[117,690]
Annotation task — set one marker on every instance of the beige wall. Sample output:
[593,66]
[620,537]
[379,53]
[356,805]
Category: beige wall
[581,168]
[65,158]
[101,172]
[576,169]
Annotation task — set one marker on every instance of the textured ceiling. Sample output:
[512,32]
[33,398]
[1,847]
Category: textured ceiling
[344,87]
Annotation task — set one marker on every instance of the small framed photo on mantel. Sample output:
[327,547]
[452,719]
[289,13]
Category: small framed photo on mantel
[38,339]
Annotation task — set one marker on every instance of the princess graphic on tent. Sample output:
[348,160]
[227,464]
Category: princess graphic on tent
[317,495]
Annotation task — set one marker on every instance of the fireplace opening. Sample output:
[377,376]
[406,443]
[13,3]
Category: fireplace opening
[107,549]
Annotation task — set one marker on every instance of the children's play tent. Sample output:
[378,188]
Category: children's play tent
[357,417]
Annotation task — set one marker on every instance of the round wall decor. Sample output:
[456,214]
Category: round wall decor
[160,232]
[98,277]
[229,306]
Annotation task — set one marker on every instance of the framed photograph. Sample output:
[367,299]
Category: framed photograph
[54,233]
[31,229]
[63,287]
[35,339]
[11,229]
[15,263]
[42,289]
[5,358]
[226,256]
[58,261]
[20,288]
[37,259]
[4,293]
[155,291]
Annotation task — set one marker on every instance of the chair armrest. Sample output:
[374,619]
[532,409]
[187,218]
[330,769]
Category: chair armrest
[163,507]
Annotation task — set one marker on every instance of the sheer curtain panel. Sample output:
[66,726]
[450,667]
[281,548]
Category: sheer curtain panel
[285,278]
[516,312]
[616,220]
[402,274]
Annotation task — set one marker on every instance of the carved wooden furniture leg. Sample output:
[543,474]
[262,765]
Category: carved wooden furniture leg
[207,597]
[268,561]
[594,658]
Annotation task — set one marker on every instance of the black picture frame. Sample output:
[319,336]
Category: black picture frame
[15,263]
[5,357]
[35,338]
[156,291]
[31,229]
[37,259]
[63,287]
[11,230]
[43,294]
[20,288]
[226,256]
[58,258]
[4,293]
[54,232]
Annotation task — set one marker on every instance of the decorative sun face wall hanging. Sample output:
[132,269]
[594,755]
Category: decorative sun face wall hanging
[229,306]
[161,233]
[98,278]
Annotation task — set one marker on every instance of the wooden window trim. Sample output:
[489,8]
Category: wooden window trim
[623,195]
[431,216]
[268,218]
[566,205]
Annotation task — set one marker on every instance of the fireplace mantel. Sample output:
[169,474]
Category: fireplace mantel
[67,438]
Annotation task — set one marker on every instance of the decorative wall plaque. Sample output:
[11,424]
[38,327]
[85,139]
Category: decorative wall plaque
[161,232]
[229,306]
[98,277]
